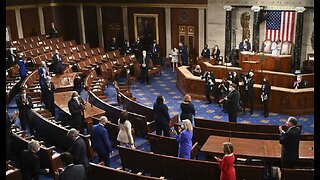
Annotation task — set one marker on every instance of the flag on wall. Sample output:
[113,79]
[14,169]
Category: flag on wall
[280,25]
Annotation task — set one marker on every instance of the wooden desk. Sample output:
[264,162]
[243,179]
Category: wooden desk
[64,82]
[281,63]
[61,100]
[255,148]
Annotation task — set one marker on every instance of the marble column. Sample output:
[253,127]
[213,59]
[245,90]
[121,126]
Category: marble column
[100,29]
[19,23]
[41,20]
[125,23]
[228,31]
[201,30]
[168,30]
[298,38]
[82,31]
[256,28]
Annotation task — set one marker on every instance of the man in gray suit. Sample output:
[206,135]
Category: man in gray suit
[70,171]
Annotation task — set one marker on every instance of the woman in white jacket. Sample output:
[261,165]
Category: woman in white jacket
[125,136]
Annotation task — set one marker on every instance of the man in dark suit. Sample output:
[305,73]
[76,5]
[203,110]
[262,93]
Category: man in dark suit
[114,44]
[248,91]
[30,163]
[205,52]
[127,49]
[77,82]
[48,94]
[24,104]
[22,63]
[210,85]
[53,32]
[138,46]
[57,66]
[232,103]
[100,141]
[290,143]
[299,83]
[76,108]
[265,96]
[144,65]
[183,53]
[70,171]
[79,150]
[245,45]
[155,48]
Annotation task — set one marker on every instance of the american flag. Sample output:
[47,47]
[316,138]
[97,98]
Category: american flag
[280,25]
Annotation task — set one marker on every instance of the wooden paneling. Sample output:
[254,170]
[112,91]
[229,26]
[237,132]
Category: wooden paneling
[91,25]
[65,19]
[161,24]
[12,23]
[112,25]
[184,17]
[30,22]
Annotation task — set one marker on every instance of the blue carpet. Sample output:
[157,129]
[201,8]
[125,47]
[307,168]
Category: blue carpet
[166,86]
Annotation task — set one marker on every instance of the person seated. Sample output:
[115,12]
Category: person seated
[245,45]
[276,48]
[197,70]
[205,52]
[299,83]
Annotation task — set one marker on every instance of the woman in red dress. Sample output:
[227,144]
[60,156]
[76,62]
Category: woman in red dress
[226,163]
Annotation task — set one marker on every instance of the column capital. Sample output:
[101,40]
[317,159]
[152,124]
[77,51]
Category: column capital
[300,9]
[256,8]
[227,8]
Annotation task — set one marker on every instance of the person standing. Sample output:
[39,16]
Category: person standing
[223,89]
[57,66]
[210,83]
[197,71]
[232,103]
[125,133]
[161,116]
[48,94]
[22,63]
[187,109]
[185,139]
[216,53]
[100,141]
[183,53]
[205,52]
[30,163]
[138,46]
[78,150]
[226,164]
[43,72]
[127,49]
[114,44]
[265,96]
[76,108]
[245,45]
[290,140]
[53,32]
[155,52]
[276,48]
[248,91]
[25,105]
[144,61]
[70,170]
[174,58]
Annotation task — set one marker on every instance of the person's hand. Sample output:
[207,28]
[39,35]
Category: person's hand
[217,158]
[174,132]
[179,129]
[280,129]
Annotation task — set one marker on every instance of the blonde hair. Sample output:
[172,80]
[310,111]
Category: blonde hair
[103,119]
[187,124]
[227,148]
[187,98]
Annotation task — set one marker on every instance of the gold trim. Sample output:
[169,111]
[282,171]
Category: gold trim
[136,15]
[148,5]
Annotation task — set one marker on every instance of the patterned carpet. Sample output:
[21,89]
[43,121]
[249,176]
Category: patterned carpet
[166,86]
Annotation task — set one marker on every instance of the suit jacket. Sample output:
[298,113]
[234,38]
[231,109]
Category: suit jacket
[127,49]
[48,92]
[161,114]
[187,110]
[209,80]
[147,61]
[100,139]
[155,49]
[79,152]
[24,109]
[300,85]
[183,52]
[22,68]
[290,144]
[42,75]
[248,86]
[217,55]
[73,172]
[185,144]
[30,165]
[232,103]
[266,88]
[53,33]
[113,46]
[205,53]
[57,66]
[76,111]
[138,48]
[242,48]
